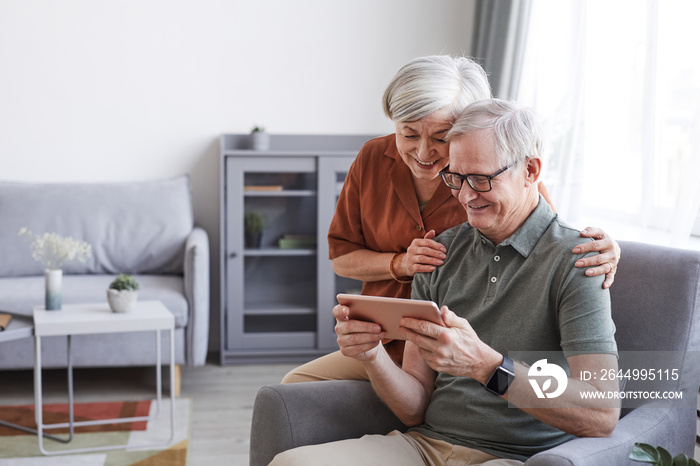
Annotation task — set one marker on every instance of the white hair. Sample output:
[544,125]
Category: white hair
[428,84]
[516,129]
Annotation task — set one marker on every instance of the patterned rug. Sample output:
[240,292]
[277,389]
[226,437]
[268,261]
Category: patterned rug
[18,448]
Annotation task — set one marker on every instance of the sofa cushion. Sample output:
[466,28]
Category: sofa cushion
[136,227]
[19,294]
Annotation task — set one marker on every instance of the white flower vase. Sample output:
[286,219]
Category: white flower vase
[53,299]
[121,300]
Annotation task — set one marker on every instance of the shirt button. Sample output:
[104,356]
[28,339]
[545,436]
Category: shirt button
[419,228]
[496,258]
[493,279]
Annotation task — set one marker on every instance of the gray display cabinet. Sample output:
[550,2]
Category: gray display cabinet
[276,300]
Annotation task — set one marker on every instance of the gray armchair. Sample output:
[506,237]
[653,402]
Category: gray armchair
[655,304]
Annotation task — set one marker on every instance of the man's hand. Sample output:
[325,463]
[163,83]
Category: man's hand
[454,349]
[423,255]
[603,263]
[356,339]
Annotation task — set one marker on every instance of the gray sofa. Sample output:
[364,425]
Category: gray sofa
[656,307]
[141,228]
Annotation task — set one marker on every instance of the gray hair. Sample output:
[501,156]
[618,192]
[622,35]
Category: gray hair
[428,84]
[516,129]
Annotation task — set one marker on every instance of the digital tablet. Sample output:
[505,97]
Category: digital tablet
[387,312]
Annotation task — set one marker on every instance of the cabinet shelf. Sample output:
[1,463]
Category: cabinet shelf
[271,309]
[272,252]
[282,193]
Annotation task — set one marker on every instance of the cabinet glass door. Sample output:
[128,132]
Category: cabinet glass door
[331,174]
[272,281]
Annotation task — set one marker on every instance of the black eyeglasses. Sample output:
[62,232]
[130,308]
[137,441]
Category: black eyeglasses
[479,183]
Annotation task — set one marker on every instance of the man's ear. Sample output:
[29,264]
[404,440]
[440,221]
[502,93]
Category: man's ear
[533,168]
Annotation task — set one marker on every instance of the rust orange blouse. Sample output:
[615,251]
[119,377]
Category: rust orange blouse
[378,210]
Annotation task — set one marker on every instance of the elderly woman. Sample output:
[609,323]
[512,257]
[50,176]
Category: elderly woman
[394,203]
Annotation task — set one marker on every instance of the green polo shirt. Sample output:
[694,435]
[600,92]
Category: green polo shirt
[523,295]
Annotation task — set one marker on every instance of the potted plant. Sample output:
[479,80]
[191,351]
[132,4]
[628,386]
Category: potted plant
[659,456]
[260,140]
[122,293]
[253,226]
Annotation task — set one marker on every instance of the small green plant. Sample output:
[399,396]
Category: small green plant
[124,282]
[257,129]
[254,223]
[645,453]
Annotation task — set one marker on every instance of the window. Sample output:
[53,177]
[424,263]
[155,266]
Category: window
[618,87]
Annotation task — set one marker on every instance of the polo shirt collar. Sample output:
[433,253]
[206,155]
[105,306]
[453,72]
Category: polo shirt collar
[529,234]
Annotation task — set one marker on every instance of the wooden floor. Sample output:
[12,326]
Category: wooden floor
[222,400]
[223,403]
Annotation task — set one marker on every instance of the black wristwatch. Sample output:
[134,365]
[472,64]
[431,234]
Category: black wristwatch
[501,378]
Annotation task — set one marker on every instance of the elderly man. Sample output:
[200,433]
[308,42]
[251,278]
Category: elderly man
[507,285]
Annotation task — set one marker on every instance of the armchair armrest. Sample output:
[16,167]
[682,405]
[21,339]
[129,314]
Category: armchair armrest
[672,428]
[196,281]
[286,416]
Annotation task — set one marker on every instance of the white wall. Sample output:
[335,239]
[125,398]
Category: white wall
[112,90]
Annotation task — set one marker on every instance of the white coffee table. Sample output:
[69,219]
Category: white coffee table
[95,318]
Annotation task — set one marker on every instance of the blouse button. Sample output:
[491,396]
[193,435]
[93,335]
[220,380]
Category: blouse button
[419,228]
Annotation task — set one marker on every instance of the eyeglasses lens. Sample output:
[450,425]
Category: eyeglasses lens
[479,183]
[452,180]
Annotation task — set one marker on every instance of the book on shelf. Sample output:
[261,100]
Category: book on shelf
[297,241]
[276,187]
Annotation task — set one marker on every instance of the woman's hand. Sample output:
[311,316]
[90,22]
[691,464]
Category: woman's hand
[423,255]
[603,263]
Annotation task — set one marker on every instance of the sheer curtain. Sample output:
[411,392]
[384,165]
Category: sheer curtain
[618,87]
